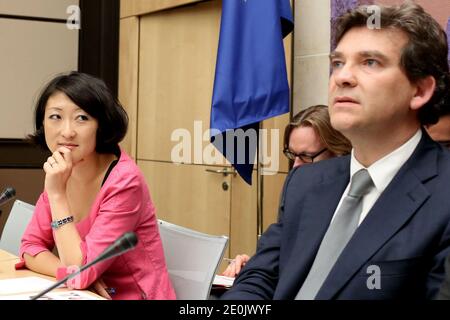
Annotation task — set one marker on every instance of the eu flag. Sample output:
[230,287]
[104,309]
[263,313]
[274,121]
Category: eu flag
[250,82]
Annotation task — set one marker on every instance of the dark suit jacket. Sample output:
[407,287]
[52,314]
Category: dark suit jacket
[406,234]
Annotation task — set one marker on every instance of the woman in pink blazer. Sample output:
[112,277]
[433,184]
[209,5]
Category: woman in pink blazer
[94,193]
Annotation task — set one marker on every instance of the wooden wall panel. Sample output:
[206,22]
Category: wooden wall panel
[55,9]
[243,216]
[140,7]
[177,61]
[128,78]
[189,196]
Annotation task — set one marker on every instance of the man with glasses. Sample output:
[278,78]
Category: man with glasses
[375,224]
[309,137]
[303,157]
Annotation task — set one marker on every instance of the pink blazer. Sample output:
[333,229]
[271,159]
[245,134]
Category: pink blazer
[123,204]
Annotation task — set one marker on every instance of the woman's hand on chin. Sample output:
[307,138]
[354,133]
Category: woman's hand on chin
[58,169]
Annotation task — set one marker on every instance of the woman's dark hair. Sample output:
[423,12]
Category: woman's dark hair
[424,55]
[93,96]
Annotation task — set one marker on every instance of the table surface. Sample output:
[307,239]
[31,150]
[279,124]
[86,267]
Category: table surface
[8,271]
[4,255]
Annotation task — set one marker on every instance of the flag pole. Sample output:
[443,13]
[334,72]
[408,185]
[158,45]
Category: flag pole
[259,188]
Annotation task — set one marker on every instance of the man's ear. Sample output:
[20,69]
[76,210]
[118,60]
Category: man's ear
[424,91]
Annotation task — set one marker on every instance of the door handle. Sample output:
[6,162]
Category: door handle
[224,171]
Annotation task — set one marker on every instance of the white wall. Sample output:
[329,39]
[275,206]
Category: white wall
[311,51]
[37,8]
[31,53]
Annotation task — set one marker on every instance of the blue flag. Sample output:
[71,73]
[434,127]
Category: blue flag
[250,82]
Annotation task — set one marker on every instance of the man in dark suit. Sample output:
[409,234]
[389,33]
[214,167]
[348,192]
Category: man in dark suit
[375,224]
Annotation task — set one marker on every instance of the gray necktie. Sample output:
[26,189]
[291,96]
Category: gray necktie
[338,234]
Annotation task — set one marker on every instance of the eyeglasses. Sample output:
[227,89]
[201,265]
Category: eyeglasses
[308,158]
[445,144]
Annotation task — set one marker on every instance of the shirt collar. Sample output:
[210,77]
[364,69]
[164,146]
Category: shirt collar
[383,170]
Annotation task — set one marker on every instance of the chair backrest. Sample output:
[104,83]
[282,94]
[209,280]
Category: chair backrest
[192,259]
[15,226]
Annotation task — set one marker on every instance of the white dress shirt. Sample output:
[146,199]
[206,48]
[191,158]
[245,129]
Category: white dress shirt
[382,172]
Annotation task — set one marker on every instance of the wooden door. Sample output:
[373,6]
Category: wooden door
[177,56]
[167,64]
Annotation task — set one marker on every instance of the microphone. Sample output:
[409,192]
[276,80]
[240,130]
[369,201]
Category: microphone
[123,244]
[7,195]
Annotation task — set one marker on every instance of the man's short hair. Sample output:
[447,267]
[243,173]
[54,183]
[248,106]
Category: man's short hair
[425,53]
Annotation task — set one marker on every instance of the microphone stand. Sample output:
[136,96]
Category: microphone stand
[125,243]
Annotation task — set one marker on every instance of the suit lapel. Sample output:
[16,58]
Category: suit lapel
[395,206]
[314,220]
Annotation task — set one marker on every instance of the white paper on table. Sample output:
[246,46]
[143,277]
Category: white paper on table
[223,281]
[23,285]
[61,295]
